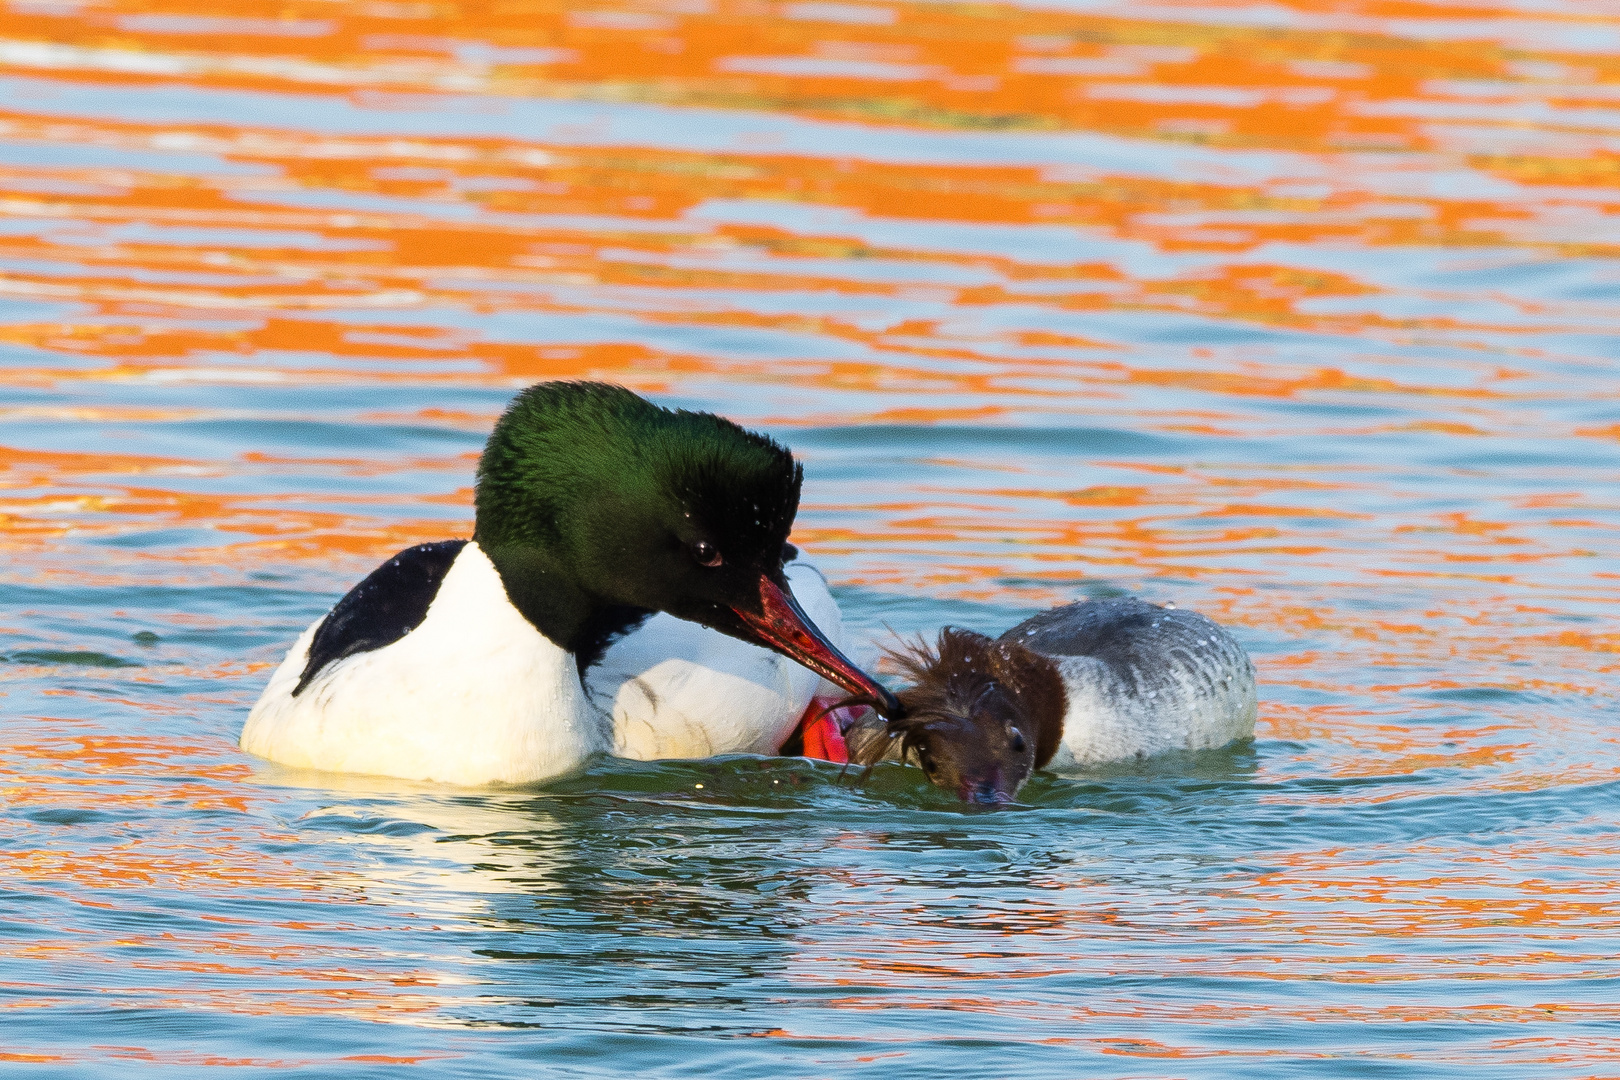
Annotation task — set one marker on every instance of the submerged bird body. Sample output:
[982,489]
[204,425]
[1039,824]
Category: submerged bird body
[461,661]
[674,689]
[1082,684]
[1140,679]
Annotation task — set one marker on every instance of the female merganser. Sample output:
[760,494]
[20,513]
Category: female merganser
[461,661]
[1077,685]
[659,685]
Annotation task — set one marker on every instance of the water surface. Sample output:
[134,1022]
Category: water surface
[1303,314]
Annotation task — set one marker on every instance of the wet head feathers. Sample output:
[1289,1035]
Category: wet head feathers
[564,450]
[741,487]
[953,678]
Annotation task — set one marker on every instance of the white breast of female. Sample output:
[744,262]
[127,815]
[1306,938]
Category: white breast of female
[473,695]
[674,689]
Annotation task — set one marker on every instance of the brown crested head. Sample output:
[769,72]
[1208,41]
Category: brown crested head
[980,715]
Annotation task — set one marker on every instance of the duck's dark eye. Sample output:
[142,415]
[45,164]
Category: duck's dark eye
[706,553]
[1017,741]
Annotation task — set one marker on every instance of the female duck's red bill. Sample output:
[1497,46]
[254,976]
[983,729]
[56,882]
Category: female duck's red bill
[783,625]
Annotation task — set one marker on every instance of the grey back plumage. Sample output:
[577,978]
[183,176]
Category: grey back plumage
[1137,679]
[1142,679]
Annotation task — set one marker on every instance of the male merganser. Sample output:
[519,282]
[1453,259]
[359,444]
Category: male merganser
[1081,684]
[461,661]
[659,684]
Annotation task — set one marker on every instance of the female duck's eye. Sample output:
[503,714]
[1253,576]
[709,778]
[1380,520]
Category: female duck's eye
[1017,741]
[706,553]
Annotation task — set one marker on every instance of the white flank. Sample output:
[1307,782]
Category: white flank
[1189,701]
[675,689]
[474,695]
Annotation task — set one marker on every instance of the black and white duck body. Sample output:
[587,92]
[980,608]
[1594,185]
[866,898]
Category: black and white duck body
[462,661]
[449,682]
[1140,679]
[658,688]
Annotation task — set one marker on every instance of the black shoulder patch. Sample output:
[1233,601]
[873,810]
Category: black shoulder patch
[390,603]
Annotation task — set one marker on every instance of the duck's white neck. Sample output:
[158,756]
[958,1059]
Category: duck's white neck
[527,717]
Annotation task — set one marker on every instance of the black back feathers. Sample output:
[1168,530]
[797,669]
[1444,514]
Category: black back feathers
[390,603]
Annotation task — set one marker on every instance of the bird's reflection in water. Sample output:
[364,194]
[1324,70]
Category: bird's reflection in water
[696,875]
[713,887]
